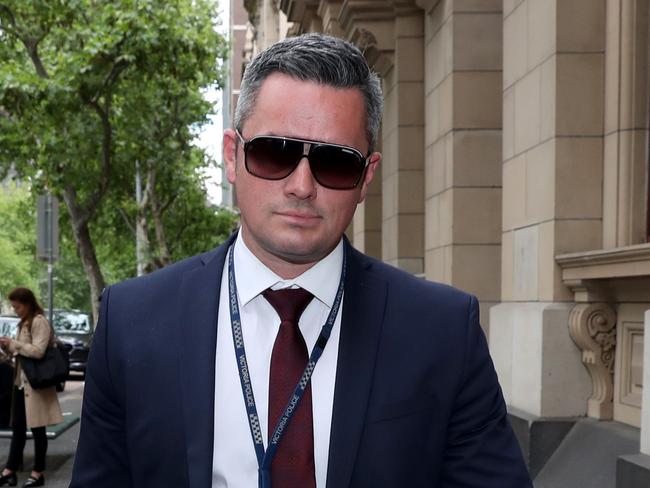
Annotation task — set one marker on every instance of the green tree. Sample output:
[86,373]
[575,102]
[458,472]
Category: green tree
[18,265]
[87,88]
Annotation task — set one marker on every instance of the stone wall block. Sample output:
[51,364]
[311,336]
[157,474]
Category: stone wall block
[541,38]
[432,128]
[477,42]
[540,183]
[507,266]
[527,111]
[390,195]
[476,269]
[434,168]
[409,26]
[410,189]
[471,6]
[389,236]
[411,147]
[514,194]
[580,88]
[510,5]
[411,236]
[410,103]
[477,102]
[477,158]
[548,99]
[526,264]
[477,214]
[508,144]
[579,177]
[515,55]
[581,25]
[527,361]
[432,223]
[408,50]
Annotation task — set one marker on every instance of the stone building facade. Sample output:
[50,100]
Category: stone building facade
[515,166]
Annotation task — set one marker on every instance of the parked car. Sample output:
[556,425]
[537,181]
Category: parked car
[8,324]
[74,328]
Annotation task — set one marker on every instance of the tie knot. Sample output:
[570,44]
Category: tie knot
[288,302]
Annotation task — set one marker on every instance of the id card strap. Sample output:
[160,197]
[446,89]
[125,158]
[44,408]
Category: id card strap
[242,363]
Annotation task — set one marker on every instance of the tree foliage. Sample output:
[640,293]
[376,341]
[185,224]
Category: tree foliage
[87,89]
[18,266]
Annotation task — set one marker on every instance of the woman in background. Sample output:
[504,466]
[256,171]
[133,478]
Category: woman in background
[33,408]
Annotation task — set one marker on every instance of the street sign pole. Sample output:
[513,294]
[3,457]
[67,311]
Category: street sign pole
[48,242]
[50,260]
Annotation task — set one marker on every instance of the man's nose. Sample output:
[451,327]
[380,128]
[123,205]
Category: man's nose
[301,182]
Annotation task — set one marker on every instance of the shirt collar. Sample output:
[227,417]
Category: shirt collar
[253,277]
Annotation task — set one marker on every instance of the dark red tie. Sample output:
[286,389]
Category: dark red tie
[293,464]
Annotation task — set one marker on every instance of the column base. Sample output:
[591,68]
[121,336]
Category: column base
[538,437]
[633,471]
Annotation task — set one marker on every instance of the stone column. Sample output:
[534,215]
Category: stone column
[645,406]
[391,35]
[552,196]
[463,100]
[403,148]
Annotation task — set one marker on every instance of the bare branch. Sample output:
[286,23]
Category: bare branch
[167,204]
[125,217]
[31,44]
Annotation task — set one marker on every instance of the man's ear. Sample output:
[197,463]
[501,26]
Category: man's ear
[230,141]
[375,158]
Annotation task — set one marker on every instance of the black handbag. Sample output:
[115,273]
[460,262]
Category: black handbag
[50,370]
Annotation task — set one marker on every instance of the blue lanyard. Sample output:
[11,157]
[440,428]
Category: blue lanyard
[265,458]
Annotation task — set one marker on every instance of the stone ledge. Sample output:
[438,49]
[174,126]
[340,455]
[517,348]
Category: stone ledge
[538,437]
[633,471]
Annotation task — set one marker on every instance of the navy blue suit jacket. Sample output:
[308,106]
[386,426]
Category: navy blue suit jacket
[416,402]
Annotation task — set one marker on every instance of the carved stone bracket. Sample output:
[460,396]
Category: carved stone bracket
[593,328]
[378,60]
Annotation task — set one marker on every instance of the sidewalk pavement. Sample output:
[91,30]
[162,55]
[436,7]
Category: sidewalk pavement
[60,452]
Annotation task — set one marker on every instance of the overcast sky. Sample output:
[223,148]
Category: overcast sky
[210,137]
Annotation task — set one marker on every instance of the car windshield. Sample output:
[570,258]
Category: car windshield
[71,322]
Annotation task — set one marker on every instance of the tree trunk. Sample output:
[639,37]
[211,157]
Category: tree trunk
[156,213]
[142,246]
[143,252]
[86,250]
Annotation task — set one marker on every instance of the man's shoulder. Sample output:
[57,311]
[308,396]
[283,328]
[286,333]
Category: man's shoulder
[168,277]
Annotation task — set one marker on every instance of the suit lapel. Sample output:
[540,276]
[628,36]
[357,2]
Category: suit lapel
[361,323]
[199,302]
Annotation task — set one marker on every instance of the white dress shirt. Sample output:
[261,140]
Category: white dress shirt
[234,462]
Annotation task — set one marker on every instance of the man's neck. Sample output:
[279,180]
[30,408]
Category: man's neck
[287,270]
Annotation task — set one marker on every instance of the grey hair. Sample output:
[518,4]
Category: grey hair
[319,58]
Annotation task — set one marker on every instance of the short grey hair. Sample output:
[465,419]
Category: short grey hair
[319,58]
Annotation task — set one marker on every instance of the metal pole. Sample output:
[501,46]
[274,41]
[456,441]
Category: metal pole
[139,258]
[50,259]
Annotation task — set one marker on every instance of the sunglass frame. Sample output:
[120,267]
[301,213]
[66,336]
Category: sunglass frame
[312,145]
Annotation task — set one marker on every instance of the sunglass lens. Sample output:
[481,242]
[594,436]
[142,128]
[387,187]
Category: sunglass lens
[272,158]
[336,167]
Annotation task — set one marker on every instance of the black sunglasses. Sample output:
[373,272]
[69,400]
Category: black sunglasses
[333,166]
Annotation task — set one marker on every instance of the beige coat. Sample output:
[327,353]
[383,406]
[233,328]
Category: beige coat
[42,405]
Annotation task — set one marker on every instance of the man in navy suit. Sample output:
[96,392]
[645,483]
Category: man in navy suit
[399,389]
